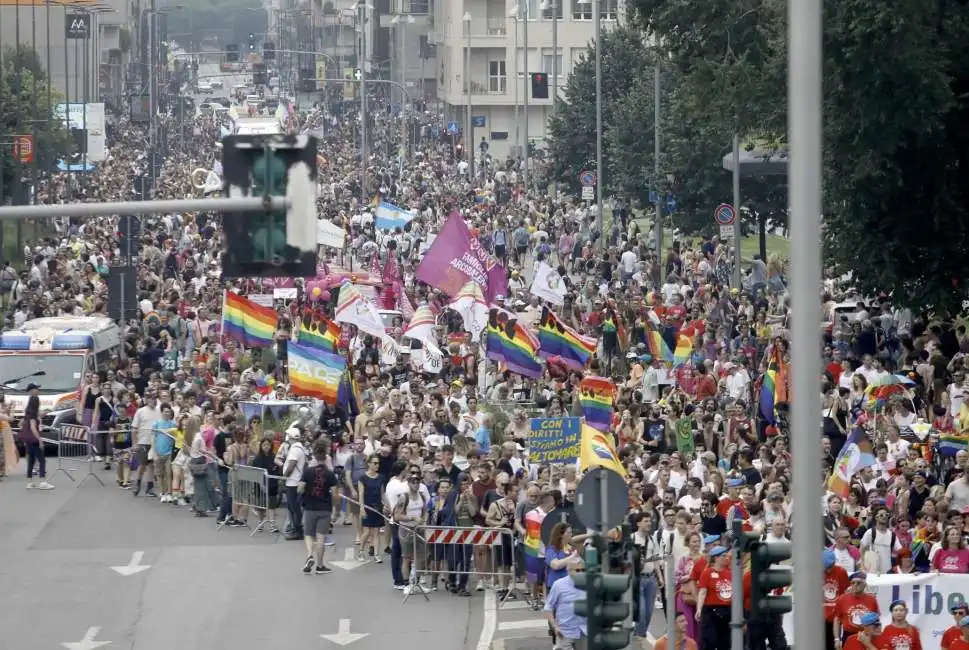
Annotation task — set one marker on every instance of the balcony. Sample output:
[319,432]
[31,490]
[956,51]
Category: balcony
[488,33]
[412,7]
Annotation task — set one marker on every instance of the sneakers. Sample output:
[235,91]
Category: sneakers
[165,498]
[43,485]
[181,502]
[308,564]
[329,541]
[377,559]
[322,570]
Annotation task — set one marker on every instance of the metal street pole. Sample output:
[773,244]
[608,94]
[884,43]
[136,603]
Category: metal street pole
[245,204]
[364,61]
[528,91]
[555,68]
[469,141]
[600,212]
[517,84]
[657,143]
[152,108]
[804,199]
[737,587]
[737,231]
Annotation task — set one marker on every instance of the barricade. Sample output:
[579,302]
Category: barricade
[74,451]
[455,554]
[249,489]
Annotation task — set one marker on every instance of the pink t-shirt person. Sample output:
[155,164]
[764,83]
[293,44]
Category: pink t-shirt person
[949,561]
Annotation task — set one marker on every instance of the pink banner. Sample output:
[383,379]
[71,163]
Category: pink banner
[456,258]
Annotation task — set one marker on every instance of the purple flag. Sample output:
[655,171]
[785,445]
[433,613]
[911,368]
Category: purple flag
[456,258]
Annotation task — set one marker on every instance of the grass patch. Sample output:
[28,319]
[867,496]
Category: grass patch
[14,238]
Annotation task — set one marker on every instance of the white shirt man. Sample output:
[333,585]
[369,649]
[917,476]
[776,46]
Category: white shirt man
[296,456]
[145,417]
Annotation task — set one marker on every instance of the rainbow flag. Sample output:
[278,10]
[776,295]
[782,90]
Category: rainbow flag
[556,339]
[506,345]
[951,444]
[316,373]
[773,386]
[855,456]
[323,336]
[252,325]
[598,449]
[683,351]
[533,547]
[596,395]
[657,346]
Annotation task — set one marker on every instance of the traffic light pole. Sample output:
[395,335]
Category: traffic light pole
[737,585]
[250,204]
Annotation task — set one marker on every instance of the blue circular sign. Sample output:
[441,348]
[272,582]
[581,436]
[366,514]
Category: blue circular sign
[725,215]
[587,178]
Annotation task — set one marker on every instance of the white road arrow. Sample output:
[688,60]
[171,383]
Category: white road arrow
[134,566]
[349,561]
[88,642]
[343,636]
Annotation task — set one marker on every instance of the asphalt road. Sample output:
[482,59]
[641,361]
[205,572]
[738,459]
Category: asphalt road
[202,588]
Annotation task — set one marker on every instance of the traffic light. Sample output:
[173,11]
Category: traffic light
[272,243]
[259,74]
[765,578]
[268,51]
[604,607]
[252,42]
[539,85]
[231,53]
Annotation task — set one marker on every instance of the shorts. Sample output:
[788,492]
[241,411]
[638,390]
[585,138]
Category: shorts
[409,542]
[316,522]
[142,451]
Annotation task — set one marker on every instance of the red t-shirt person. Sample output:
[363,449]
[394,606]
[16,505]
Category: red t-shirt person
[835,584]
[850,607]
[719,586]
[894,637]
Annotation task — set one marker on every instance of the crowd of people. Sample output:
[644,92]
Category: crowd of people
[703,438]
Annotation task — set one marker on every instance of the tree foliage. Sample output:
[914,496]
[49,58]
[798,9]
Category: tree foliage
[896,126]
[24,85]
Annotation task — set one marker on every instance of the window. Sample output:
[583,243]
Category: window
[528,9]
[497,76]
[548,60]
[609,10]
[547,8]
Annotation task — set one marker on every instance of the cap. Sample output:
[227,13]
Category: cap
[32,386]
[827,558]
[871,618]
[293,434]
[717,551]
[858,575]
[957,606]
[734,482]
[711,539]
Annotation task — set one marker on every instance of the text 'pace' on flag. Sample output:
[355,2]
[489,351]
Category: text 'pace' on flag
[315,373]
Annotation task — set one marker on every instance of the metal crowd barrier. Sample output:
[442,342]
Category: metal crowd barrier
[249,489]
[75,450]
[456,554]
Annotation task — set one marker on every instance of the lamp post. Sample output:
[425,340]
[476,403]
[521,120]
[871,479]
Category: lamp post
[597,26]
[554,7]
[364,62]
[526,80]
[400,22]
[513,14]
[469,142]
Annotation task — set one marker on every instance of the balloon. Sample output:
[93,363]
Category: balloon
[325,296]
[316,292]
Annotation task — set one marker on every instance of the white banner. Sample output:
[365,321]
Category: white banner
[928,596]
[548,285]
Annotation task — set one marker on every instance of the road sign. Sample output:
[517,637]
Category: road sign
[23,148]
[596,512]
[588,193]
[479,121]
[724,215]
[726,232]
[452,128]
[560,515]
[587,178]
[653,197]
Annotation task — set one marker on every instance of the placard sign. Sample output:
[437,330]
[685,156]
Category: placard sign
[554,440]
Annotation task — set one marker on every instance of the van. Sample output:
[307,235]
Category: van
[56,353]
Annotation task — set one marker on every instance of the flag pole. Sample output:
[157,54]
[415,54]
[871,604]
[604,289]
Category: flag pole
[222,336]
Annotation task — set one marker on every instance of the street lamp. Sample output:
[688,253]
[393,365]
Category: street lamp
[469,140]
[363,64]
[400,21]
[597,22]
[553,6]
[513,13]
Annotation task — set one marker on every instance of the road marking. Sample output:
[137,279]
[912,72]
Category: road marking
[87,642]
[134,565]
[512,605]
[489,621]
[349,561]
[343,635]
[527,624]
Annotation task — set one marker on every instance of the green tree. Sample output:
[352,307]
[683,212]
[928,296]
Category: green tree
[896,125]
[24,85]
[572,130]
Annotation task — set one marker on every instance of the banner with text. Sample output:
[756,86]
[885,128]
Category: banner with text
[554,440]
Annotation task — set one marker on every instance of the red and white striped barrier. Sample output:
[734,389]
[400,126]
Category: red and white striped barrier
[471,536]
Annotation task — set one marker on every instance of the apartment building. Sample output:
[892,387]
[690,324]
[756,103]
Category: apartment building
[84,45]
[495,32]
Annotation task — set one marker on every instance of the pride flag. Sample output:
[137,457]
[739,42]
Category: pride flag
[595,396]
[657,346]
[323,336]
[555,339]
[951,444]
[855,456]
[505,345]
[316,373]
[598,449]
[533,547]
[252,325]
[773,386]
[683,351]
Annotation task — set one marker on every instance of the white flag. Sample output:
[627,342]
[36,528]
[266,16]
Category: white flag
[548,285]
[433,360]
[470,303]
[354,309]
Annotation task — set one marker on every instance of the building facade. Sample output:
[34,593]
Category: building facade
[495,33]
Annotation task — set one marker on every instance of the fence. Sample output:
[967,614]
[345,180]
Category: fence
[75,451]
[249,489]
[456,554]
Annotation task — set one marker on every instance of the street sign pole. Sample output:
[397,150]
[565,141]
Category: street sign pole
[251,204]
[736,204]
